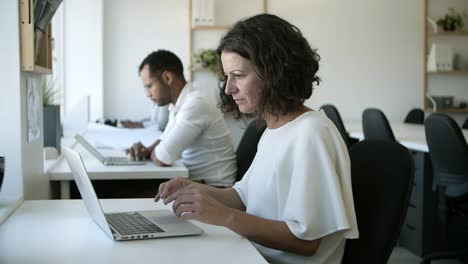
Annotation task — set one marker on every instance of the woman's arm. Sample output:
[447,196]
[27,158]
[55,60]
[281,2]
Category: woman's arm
[169,191]
[270,233]
[198,204]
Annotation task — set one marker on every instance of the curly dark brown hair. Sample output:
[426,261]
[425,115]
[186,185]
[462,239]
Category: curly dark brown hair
[282,58]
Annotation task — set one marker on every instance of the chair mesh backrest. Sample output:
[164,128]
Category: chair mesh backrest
[415,116]
[382,178]
[334,116]
[376,126]
[447,145]
[247,148]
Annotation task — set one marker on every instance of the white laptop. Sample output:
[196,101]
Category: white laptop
[125,225]
[106,160]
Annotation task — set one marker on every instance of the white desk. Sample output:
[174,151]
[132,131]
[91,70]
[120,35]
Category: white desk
[58,170]
[411,136]
[61,231]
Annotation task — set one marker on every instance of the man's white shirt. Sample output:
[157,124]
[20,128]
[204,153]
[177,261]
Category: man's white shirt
[197,134]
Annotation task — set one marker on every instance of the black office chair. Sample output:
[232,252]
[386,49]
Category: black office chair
[334,116]
[382,175]
[449,155]
[415,116]
[465,124]
[247,148]
[376,126]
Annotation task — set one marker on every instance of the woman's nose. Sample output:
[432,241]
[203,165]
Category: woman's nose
[230,87]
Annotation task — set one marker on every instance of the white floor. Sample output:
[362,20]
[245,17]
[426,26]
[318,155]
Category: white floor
[403,256]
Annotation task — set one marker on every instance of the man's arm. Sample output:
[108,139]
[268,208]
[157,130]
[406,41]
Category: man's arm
[155,159]
[190,123]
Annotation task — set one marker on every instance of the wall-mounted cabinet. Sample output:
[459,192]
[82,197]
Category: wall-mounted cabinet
[30,61]
[208,22]
[446,58]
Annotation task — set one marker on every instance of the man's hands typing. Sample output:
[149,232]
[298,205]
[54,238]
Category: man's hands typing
[138,151]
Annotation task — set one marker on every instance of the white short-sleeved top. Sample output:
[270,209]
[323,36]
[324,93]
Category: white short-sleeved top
[301,175]
[196,132]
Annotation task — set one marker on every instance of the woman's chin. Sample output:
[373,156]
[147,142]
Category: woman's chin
[245,110]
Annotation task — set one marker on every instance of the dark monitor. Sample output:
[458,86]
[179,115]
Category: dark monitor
[2,170]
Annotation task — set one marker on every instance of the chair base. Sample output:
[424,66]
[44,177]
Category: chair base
[461,254]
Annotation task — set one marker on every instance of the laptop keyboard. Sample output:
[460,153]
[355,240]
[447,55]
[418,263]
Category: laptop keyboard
[132,223]
[118,159]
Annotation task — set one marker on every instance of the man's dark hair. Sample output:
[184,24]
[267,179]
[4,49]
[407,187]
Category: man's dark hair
[282,58]
[163,60]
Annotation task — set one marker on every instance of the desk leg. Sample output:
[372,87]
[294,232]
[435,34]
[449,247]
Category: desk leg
[64,190]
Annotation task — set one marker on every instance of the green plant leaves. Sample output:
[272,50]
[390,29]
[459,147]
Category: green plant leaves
[50,95]
[452,21]
[208,58]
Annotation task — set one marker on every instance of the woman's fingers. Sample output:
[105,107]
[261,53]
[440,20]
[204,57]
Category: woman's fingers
[185,209]
[168,191]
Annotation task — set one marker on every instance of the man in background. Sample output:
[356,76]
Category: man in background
[196,132]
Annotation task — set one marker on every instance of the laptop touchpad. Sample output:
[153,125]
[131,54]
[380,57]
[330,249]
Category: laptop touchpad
[162,217]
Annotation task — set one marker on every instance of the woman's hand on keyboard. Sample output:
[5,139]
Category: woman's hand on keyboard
[167,190]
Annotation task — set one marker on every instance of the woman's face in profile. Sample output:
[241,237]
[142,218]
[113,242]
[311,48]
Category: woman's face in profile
[242,82]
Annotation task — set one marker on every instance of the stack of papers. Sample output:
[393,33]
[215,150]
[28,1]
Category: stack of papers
[104,136]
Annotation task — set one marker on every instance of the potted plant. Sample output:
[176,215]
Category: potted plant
[207,58]
[51,114]
[452,21]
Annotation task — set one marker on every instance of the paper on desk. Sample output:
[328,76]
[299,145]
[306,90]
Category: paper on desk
[104,136]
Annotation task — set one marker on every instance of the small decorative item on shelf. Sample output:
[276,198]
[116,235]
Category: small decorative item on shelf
[462,104]
[452,21]
[440,58]
[207,58]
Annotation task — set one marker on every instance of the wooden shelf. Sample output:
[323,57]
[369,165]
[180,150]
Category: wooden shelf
[210,27]
[451,110]
[449,33]
[43,64]
[454,72]
[442,80]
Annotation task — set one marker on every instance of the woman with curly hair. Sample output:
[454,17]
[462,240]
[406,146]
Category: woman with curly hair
[295,202]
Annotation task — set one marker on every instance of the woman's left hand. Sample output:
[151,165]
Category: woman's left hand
[193,203]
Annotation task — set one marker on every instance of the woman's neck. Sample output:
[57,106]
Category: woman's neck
[273,121]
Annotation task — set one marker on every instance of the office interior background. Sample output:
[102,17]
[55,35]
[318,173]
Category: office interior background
[372,55]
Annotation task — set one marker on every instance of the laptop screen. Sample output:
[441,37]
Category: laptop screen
[85,188]
[89,147]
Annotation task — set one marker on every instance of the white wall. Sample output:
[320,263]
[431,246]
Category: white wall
[10,110]
[36,184]
[83,60]
[133,29]
[23,159]
[372,52]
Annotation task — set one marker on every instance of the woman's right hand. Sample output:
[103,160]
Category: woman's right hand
[167,190]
